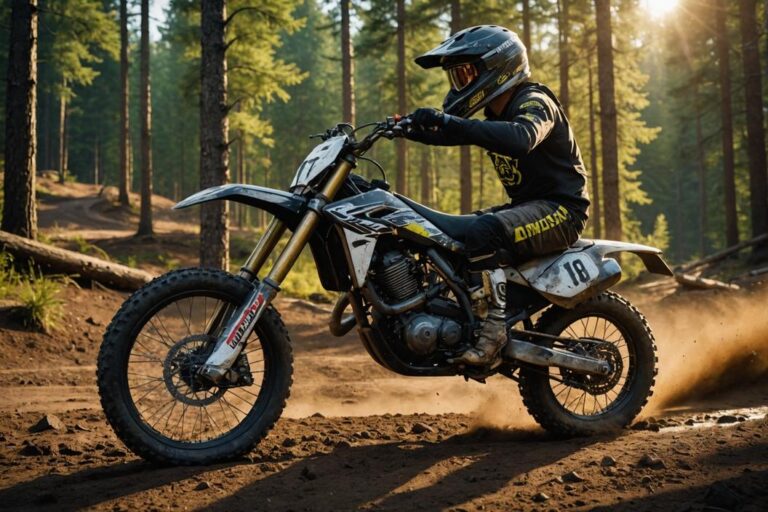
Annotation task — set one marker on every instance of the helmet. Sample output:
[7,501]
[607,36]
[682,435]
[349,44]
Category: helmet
[482,62]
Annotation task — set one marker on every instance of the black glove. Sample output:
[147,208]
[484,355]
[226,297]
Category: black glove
[428,118]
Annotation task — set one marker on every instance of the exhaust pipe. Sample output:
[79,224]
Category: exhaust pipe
[543,356]
[338,326]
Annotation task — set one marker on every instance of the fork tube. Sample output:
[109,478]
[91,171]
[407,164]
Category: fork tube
[265,246]
[307,225]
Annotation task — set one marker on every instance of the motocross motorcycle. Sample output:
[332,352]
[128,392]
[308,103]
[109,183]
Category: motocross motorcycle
[196,366]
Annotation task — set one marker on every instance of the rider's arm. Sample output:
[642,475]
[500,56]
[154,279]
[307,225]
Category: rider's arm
[531,123]
[436,138]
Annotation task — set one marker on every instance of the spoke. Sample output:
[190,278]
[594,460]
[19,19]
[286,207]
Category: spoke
[178,308]
[162,339]
[237,408]
[136,402]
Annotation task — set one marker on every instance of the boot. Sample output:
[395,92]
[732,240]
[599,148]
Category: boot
[493,337]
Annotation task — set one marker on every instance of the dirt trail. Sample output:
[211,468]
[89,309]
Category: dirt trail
[357,437]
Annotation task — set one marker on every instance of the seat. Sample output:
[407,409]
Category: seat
[455,226]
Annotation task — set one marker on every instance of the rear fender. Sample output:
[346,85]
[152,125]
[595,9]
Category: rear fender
[287,207]
[582,271]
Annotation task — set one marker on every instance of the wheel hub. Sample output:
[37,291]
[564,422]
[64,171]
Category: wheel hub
[181,371]
[593,383]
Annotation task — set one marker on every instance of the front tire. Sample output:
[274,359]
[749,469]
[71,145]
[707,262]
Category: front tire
[145,372]
[547,392]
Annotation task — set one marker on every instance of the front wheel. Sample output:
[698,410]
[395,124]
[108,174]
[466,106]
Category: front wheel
[147,371]
[568,403]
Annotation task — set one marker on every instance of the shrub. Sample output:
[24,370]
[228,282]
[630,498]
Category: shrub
[41,306]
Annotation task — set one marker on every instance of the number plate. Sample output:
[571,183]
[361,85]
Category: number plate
[321,157]
[569,275]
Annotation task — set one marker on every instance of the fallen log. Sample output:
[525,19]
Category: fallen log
[61,261]
[720,255]
[703,283]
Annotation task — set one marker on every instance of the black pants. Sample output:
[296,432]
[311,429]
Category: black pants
[524,231]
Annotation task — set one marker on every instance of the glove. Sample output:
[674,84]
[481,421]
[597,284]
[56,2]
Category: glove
[428,118]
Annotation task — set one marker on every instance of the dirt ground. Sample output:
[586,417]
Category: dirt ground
[355,436]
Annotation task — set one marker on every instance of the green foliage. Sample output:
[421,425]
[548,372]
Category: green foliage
[9,279]
[42,307]
[85,247]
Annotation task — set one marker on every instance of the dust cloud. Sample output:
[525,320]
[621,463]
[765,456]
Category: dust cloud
[708,342]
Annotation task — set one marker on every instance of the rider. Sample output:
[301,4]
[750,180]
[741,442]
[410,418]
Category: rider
[529,140]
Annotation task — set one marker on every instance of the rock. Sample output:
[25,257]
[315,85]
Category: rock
[720,495]
[288,442]
[30,449]
[400,429]
[607,461]
[92,321]
[69,449]
[115,452]
[690,422]
[421,428]
[81,427]
[646,480]
[364,435]
[572,477]
[202,486]
[317,415]
[540,497]
[727,418]
[640,425]
[580,503]
[308,474]
[649,461]
[47,422]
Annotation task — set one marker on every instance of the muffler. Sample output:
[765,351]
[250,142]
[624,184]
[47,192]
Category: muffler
[543,356]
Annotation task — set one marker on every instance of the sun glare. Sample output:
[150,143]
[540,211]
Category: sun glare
[659,8]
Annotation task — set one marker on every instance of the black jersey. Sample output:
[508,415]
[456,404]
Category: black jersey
[531,145]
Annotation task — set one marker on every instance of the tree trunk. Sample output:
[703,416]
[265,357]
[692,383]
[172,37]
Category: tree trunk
[402,108]
[145,120]
[597,219]
[608,122]
[465,156]
[123,184]
[96,161]
[214,146]
[62,163]
[726,119]
[240,173]
[347,67]
[753,93]
[702,171]
[527,25]
[563,22]
[19,209]
[62,261]
[426,179]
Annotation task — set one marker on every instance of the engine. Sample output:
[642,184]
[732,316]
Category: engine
[399,276]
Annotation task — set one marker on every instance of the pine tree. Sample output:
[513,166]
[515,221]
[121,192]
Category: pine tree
[145,116]
[123,184]
[19,208]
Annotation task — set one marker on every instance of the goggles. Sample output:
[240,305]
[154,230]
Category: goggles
[461,75]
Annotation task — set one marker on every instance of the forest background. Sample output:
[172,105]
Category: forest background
[690,161]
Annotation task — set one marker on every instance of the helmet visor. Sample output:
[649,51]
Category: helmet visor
[461,75]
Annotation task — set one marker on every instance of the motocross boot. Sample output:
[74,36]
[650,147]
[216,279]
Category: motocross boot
[493,337]
[493,334]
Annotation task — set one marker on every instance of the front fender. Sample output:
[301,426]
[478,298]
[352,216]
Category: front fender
[287,207]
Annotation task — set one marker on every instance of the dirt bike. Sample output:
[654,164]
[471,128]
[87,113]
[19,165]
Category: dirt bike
[196,366]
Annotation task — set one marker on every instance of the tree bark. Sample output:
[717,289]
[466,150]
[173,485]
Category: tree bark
[402,107]
[597,218]
[214,125]
[702,171]
[122,180]
[62,163]
[753,93]
[726,119]
[527,25]
[240,173]
[465,156]
[426,178]
[19,208]
[347,67]
[62,261]
[563,33]
[608,121]
[145,120]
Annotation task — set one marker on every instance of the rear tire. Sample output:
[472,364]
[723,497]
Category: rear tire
[120,406]
[536,383]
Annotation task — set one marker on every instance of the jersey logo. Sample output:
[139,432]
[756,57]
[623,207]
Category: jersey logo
[506,168]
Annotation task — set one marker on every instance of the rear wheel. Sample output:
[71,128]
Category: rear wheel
[148,380]
[569,403]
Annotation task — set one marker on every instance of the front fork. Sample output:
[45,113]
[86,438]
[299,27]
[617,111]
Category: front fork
[241,323]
